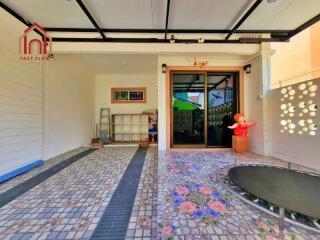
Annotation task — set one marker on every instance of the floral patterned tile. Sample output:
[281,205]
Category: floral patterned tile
[193,204]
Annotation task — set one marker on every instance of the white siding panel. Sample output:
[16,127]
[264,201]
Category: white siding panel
[12,132]
[19,109]
[22,117]
[19,124]
[20,101]
[22,139]
[6,83]
[18,94]
[9,148]
[19,159]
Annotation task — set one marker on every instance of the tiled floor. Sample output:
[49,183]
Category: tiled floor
[172,200]
[115,219]
[16,191]
[53,161]
[69,204]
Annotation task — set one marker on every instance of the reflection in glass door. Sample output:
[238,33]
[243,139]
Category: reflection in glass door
[221,107]
[188,106]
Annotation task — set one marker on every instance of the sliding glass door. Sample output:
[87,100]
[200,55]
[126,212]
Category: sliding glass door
[221,107]
[188,109]
[203,105]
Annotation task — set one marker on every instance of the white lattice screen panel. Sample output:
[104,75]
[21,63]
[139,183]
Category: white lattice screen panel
[299,109]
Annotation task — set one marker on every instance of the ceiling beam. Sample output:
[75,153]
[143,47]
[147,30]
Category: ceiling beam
[244,17]
[258,40]
[157,40]
[86,11]
[305,25]
[167,19]
[137,40]
[141,30]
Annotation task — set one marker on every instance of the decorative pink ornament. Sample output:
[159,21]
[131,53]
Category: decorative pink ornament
[240,128]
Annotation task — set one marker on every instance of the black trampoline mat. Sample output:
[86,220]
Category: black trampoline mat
[294,191]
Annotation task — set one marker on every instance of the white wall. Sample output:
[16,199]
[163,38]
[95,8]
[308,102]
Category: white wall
[303,47]
[285,67]
[104,83]
[300,149]
[69,105]
[20,101]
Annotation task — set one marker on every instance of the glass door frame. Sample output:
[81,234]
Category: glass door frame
[205,73]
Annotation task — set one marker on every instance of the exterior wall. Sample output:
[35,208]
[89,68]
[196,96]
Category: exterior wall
[104,83]
[256,100]
[20,101]
[315,49]
[69,105]
[300,149]
[294,62]
[297,60]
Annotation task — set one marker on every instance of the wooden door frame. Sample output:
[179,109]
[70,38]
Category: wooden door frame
[196,69]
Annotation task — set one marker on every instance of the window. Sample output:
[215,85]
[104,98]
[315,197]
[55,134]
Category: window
[121,95]
[128,95]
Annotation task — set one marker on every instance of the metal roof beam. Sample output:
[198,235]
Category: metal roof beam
[157,40]
[86,11]
[244,17]
[167,19]
[305,25]
[142,30]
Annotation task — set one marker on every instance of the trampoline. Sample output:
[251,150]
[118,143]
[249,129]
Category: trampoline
[295,193]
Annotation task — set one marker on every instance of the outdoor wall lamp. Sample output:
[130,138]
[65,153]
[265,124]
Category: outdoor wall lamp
[164,67]
[247,68]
